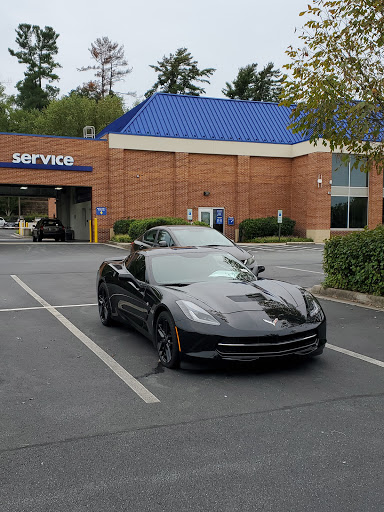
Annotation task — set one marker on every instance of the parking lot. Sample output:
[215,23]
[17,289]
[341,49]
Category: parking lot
[91,421]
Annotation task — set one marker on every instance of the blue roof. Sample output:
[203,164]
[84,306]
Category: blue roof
[198,117]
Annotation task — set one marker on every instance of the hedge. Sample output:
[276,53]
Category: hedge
[135,228]
[356,262]
[121,227]
[263,227]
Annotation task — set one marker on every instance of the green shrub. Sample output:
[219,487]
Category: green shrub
[123,239]
[138,227]
[263,227]
[200,223]
[283,239]
[121,227]
[356,261]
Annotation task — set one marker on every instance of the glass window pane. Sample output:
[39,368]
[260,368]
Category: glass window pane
[339,212]
[136,267]
[358,208]
[206,217]
[358,178]
[150,236]
[340,170]
[164,236]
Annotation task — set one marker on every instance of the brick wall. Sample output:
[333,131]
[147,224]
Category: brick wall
[140,184]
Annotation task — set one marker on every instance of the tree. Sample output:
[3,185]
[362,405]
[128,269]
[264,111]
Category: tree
[177,74]
[337,76]
[69,115]
[6,103]
[8,205]
[254,85]
[111,65]
[37,50]
[90,90]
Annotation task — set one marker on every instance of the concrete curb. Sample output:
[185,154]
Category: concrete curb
[347,295]
[120,244]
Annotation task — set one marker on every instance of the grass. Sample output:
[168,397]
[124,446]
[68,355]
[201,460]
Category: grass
[123,239]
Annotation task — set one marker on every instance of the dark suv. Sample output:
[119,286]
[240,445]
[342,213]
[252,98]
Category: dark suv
[48,228]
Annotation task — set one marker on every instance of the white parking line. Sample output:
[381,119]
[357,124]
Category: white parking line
[356,355]
[48,307]
[301,270]
[126,377]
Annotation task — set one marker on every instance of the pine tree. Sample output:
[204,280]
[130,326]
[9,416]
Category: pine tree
[37,50]
[111,65]
[254,85]
[177,74]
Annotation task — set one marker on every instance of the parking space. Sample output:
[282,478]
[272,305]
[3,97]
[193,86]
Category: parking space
[300,264]
[269,437]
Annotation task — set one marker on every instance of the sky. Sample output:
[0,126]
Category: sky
[224,34]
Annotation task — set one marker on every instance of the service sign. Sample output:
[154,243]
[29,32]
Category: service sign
[27,158]
[101,210]
[47,162]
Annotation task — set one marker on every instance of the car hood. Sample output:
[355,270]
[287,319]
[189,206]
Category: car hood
[236,252]
[274,299]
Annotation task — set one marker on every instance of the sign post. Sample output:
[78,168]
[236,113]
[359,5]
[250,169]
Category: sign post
[279,220]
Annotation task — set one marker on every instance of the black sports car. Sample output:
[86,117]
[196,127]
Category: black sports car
[197,236]
[204,303]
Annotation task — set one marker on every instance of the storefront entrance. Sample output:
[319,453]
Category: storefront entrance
[213,216]
[71,205]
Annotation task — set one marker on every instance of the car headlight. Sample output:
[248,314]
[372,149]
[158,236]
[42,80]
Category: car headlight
[250,260]
[313,307]
[196,313]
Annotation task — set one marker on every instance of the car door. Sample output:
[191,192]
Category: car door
[131,303]
[165,236]
[147,240]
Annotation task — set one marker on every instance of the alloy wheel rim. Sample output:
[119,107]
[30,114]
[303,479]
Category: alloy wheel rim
[164,341]
[103,309]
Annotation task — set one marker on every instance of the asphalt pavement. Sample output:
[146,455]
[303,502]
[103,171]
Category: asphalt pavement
[275,437]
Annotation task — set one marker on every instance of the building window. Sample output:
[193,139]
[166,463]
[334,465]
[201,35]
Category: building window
[345,175]
[349,212]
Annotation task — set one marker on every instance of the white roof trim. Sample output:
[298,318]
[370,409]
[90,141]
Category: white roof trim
[210,147]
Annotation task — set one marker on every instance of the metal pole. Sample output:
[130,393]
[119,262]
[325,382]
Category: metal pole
[95,229]
[279,231]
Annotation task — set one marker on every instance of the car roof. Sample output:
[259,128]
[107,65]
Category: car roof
[156,251]
[180,226]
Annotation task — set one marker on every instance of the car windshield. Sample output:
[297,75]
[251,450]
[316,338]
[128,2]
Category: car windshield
[201,237]
[186,268]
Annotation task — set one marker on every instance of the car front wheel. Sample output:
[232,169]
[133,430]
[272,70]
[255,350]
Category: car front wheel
[104,305]
[166,341]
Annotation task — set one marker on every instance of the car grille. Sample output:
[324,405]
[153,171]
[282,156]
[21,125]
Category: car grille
[268,346]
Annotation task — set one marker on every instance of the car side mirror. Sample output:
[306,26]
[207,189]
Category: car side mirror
[260,268]
[163,243]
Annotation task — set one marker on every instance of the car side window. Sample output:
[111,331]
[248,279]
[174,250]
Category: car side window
[150,236]
[164,236]
[136,266]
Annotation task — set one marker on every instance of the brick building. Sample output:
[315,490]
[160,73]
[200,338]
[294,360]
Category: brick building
[226,160]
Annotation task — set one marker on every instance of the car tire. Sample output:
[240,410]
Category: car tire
[104,305]
[166,341]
